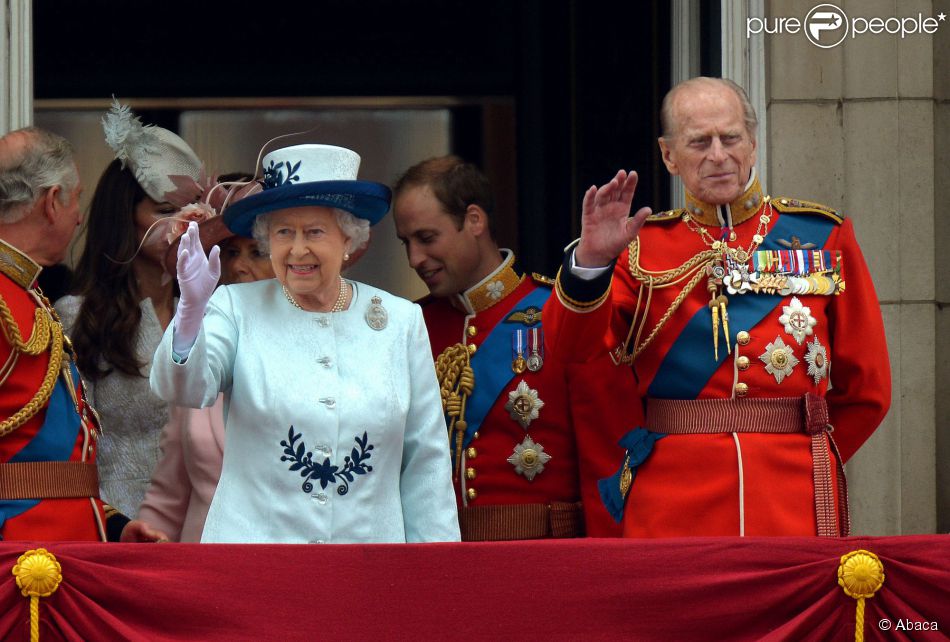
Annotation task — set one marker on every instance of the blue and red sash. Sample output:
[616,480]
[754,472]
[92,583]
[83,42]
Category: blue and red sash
[681,374]
[54,441]
[491,365]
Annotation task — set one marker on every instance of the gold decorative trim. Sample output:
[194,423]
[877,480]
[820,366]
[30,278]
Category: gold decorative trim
[742,208]
[798,206]
[494,287]
[21,269]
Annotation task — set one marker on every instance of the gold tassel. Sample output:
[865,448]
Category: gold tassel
[37,574]
[860,574]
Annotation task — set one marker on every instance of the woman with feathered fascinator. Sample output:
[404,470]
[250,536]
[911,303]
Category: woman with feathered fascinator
[124,298]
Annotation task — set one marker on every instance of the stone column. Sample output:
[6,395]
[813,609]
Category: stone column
[863,127]
[16,64]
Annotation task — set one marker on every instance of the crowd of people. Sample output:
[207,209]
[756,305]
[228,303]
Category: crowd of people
[214,376]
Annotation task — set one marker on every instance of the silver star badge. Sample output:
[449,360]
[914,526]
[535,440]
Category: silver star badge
[523,404]
[817,360]
[797,320]
[529,458]
[779,359]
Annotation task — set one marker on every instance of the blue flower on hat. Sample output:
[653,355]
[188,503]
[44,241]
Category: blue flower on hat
[274,175]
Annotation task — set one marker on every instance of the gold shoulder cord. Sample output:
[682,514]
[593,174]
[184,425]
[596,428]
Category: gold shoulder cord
[692,271]
[456,382]
[47,334]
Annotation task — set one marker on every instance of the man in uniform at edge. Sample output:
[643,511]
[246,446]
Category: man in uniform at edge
[731,313]
[49,488]
[529,438]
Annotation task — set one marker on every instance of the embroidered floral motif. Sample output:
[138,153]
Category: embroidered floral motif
[325,472]
[274,174]
[495,290]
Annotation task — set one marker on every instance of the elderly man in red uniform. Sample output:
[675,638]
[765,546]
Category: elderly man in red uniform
[751,325]
[520,459]
[49,487]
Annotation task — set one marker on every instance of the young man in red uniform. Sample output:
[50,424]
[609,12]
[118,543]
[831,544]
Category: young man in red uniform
[49,488]
[751,324]
[528,437]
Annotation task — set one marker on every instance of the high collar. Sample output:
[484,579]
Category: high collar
[18,266]
[493,288]
[739,210]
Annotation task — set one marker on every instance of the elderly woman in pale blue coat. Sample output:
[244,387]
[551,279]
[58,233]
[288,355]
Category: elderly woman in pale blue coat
[333,422]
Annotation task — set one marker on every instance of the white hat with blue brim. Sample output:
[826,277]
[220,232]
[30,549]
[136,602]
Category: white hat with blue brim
[310,175]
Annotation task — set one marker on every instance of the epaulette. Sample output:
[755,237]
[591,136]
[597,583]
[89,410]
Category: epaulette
[663,217]
[798,206]
[543,280]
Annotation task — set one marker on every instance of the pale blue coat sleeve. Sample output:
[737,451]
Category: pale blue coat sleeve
[428,501]
[209,367]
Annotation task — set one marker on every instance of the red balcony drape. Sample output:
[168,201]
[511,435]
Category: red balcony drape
[596,589]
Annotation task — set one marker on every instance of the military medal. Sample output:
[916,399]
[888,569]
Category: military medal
[817,359]
[518,363]
[376,316]
[523,404]
[797,320]
[535,349]
[529,458]
[778,359]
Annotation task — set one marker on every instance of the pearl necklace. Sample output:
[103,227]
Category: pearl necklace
[337,307]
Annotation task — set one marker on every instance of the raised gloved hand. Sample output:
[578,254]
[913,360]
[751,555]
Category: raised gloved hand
[197,277]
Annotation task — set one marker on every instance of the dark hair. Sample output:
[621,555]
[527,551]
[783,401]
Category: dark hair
[108,321]
[456,185]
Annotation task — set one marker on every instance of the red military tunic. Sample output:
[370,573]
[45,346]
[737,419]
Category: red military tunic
[528,411]
[782,347]
[60,430]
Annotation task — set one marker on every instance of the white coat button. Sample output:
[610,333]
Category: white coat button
[317,541]
[329,402]
[326,362]
[321,498]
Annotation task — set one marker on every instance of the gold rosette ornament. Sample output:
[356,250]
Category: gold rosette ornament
[38,574]
[860,574]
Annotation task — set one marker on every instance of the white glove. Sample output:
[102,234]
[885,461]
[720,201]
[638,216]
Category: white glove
[197,277]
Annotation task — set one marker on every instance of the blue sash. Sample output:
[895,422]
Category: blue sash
[53,442]
[688,364]
[491,366]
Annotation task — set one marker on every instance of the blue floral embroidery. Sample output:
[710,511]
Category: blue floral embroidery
[325,472]
[274,174]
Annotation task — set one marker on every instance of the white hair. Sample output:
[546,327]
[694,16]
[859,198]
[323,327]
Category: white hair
[353,227]
[667,118]
[46,161]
